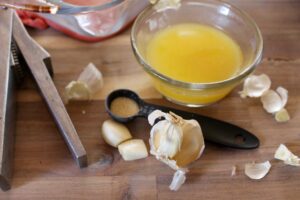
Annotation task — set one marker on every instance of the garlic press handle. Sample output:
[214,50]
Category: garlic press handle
[34,57]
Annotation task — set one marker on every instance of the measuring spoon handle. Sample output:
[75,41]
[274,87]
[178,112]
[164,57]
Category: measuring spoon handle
[214,130]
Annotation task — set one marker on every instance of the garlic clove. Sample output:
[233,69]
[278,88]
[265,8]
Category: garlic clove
[282,116]
[271,101]
[256,86]
[77,90]
[257,170]
[178,180]
[92,77]
[133,149]
[114,133]
[284,154]
[192,145]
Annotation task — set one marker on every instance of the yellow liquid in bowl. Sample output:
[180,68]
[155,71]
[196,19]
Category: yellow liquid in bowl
[193,53]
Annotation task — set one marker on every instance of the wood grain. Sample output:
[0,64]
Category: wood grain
[45,170]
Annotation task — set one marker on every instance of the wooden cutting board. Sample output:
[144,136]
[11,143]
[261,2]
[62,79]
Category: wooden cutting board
[44,169]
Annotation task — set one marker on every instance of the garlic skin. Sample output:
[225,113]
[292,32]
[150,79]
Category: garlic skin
[284,154]
[274,101]
[133,150]
[255,86]
[114,133]
[257,170]
[92,77]
[182,142]
[90,81]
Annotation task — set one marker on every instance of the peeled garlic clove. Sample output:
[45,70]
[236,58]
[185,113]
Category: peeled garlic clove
[257,170]
[282,116]
[92,77]
[178,180]
[192,145]
[271,101]
[133,150]
[114,133]
[256,86]
[77,90]
[284,154]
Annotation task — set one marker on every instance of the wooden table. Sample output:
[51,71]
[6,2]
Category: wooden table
[44,169]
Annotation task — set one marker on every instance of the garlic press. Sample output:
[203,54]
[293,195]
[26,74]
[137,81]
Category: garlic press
[20,53]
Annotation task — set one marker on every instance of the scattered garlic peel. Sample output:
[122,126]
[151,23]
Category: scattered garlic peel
[160,5]
[282,116]
[256,86]
[257,170]
[78,91]
[274,101]
[188,147]
[92,77]
[90,81]
[233,170]
[284,154]
[133,150]
[178,180]
[114,133]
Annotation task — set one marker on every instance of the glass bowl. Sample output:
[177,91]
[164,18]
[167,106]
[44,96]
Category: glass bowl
[223,16]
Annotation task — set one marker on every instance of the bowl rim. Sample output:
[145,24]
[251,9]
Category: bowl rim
[248,69]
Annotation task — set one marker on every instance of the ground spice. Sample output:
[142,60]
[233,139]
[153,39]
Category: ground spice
[124,107]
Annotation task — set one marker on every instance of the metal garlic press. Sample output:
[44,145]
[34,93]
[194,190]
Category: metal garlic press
[18,53]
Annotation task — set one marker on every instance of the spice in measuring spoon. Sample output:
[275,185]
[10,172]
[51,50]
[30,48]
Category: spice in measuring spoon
[124,107]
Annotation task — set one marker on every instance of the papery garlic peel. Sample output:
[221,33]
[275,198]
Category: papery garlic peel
[257,170]
[255,86]
[284,154]
[90,81]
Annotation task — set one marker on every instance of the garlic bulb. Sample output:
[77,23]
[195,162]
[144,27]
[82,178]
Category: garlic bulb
[175,142]
[256,86]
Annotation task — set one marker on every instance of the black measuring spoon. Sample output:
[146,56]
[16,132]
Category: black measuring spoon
[214,130]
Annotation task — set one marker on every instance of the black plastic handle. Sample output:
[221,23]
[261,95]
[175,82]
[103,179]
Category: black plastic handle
[214,130]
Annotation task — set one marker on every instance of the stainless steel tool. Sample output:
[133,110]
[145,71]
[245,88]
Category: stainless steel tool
[19,52]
